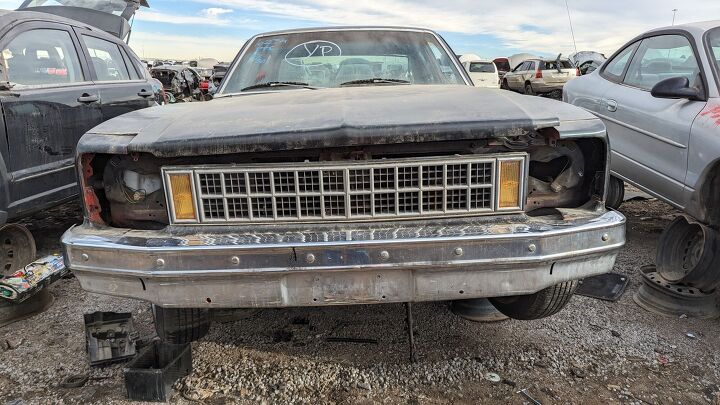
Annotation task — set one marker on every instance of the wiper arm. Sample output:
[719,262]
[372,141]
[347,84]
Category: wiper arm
[279,84]
[375,81]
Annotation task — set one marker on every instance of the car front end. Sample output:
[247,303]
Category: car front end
[367,191]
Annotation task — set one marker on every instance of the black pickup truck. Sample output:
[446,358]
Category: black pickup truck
[58,79]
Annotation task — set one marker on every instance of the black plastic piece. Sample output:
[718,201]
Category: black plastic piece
[151,375]
[110,337]
[607,287]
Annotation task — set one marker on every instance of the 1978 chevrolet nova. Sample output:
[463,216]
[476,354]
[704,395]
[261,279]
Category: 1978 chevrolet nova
[344,166]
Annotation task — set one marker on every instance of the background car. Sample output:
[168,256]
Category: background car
[483,73]
[658,97]
[74,76]
[537,76]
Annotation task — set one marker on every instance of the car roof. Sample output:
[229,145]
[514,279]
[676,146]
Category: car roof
[348,28]
[10,18]
[694,27]
[479,60]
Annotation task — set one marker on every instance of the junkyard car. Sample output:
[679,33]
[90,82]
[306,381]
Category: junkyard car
[344,166]
[659,97]
[60,78]
[181,83]
[538,76]
[483,73]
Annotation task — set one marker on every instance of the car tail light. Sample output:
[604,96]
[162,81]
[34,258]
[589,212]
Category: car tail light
[577,72]
[510,171]
[182,196]
[538,74]
[204,85]
[91,203]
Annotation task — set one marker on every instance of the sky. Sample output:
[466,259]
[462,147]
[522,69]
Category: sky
[191,29]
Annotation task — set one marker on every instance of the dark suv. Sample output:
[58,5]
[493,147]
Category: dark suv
[58,79]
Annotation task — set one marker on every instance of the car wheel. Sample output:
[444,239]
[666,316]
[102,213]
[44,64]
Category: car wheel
[181,325]
[504,85]
[539,305]
[529,90]
[616,193]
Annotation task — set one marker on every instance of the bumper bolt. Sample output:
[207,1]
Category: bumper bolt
[85,257]
[235,260]
[160,262]
[384,255]
[606,238]
[310,258]
[532,248]
[458,252]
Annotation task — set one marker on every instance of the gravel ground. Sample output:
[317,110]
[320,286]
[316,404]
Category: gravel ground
[592,352]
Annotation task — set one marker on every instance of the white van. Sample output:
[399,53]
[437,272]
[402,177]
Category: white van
[483,73]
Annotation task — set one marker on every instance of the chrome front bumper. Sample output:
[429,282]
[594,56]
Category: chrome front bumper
[429,261]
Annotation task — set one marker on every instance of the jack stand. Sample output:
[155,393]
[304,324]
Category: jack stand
[411,333]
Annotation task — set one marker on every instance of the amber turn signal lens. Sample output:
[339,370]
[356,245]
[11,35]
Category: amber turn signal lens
[509,184]
[182,196]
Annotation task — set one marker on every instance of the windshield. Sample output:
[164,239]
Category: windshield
[332,58]
[714,41]
[108,6]
[482,67]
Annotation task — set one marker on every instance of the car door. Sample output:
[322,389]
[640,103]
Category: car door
[514,78]
[650,136]
[51,104]
[122,85]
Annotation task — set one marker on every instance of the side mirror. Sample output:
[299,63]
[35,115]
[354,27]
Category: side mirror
[676,87]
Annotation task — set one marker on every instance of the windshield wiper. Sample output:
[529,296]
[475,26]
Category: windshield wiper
[375,81]
[279,84]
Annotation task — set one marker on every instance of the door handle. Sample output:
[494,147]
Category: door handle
[144,93]
[611,105]
[88,98]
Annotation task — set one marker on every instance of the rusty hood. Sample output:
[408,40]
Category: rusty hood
[290,118]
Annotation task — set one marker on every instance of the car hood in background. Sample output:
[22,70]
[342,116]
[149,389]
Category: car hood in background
[286,119]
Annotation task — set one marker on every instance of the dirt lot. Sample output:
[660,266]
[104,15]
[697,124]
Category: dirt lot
[592,352]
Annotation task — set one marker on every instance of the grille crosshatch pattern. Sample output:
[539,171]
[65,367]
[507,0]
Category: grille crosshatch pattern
[382,189]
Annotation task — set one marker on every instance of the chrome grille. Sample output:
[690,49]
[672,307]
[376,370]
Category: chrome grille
[403,188]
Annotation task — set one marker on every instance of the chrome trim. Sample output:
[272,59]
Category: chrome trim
[640,130]
[348,191]
[155,266]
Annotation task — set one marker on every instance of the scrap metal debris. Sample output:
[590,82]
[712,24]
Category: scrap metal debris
[37,275]
[524,392]
[606,287]
[110,337]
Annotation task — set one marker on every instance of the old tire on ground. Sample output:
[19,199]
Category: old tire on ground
[689,253]
[17,248]
[539,305]
[616,193]
[529,90]
[181,325]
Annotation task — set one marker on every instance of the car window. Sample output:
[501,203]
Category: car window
[531,66]
[482,67]
[616,66]
[714,42]
[659,58]
[42,57]
[333,58]
[132,67]
[106,59]
[554,65]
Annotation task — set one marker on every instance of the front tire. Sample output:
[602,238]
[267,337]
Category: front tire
[504,85]
[542,304]
[616,193]
[181,326]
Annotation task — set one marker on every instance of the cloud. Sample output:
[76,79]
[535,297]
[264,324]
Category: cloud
[209,18]
[215,12]
[599,25]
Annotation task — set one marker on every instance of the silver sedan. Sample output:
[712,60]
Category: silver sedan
[659,97]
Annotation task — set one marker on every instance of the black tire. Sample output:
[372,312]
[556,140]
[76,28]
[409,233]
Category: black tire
[616,193]
[542,304]
[504,85]
[181,325]
[529,90]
